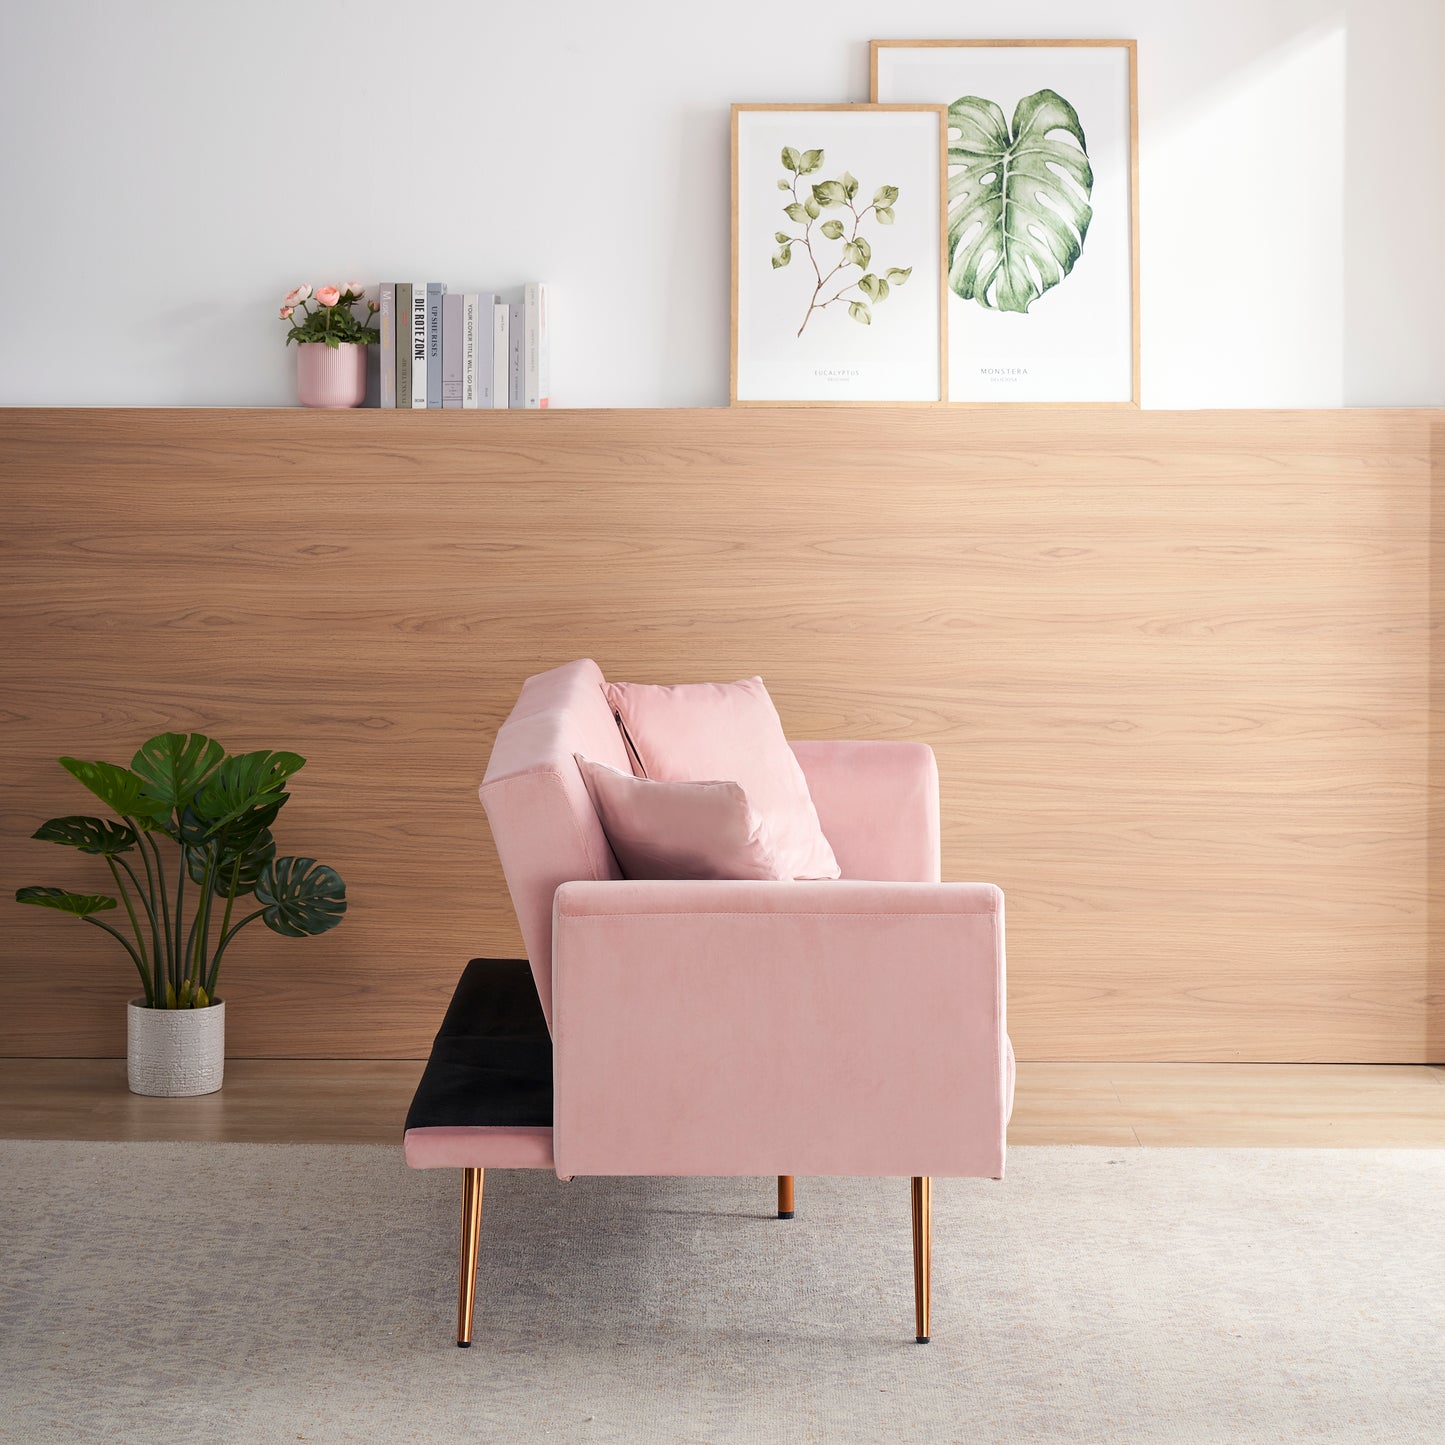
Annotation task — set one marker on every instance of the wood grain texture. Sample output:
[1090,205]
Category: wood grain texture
[1371,1106]
[1177,668]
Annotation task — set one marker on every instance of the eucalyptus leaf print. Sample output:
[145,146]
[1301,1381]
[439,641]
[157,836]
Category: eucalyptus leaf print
[843,275]
[1018,200]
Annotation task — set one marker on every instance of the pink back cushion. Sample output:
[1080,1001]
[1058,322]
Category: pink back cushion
[679,830]
[708,731]
[546,829]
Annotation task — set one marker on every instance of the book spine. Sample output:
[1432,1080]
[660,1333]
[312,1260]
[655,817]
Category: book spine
[538,361]
[388,344]
[485,303]
[517,363]
[501,352]
[451,347]
[469,350]
[435,290]
[403,343]
[418,345]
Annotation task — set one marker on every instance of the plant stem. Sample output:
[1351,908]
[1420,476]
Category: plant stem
[124,892]
[227,937]
[211,978]
[165,912]
[151,897]
[178,956]
[140,968]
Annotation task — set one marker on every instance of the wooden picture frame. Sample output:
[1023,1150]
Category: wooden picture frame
[893,374]
[978,342]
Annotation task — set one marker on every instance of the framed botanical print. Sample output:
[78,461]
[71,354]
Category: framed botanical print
[1041,254]
[837,255]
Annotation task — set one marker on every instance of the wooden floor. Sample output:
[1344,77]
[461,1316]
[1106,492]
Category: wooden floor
[1116,1105]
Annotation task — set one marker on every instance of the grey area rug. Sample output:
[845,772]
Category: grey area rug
[158,1292]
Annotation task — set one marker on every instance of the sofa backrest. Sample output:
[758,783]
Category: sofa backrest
[546,829]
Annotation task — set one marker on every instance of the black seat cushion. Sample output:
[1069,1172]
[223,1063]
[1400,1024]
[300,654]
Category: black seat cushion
[491,1064]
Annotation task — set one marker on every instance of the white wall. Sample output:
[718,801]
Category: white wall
[171,167]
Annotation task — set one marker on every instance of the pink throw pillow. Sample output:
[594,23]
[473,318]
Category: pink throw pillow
[698,731]
[679,830]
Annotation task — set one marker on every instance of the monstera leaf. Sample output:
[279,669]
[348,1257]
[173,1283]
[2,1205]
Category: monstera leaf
[244,784]
[174,767]
[118,788]
[253,856]
[90,835]
[1016,225]
[300,897]
[82,905]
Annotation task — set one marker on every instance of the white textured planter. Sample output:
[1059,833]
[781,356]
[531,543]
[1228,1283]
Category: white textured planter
[172,1052]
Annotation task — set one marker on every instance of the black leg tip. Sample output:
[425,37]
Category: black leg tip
[923,1339]
[464,1344]
[785,1214]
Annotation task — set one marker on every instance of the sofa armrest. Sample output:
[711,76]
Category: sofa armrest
[878,804]
[779,1028]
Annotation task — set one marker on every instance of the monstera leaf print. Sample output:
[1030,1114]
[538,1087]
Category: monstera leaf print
[1018,203]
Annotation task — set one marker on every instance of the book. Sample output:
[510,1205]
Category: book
[501,352]
[516,360]
[469,349]
[402,327]
[418,345]
[537,379]
[435,290]
[486,361]
[387,344]
[451,348]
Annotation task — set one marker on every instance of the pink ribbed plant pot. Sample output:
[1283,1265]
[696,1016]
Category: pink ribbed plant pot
[330,376]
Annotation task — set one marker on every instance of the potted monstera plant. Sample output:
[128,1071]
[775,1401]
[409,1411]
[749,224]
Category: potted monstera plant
[214,811]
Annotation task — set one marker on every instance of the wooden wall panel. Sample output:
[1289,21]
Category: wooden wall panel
[1176,668]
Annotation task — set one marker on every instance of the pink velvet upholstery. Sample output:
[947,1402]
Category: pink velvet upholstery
[878,804]
[544,824]
[704,731]
[680,830]
[480,1148]
[840,1027]
[763,1028]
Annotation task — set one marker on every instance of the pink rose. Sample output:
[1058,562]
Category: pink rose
[286,312]
[296,297]
[355,288]
[372,307]
[328,295]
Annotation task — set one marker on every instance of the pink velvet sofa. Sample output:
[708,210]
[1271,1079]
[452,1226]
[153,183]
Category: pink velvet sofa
[847,1027]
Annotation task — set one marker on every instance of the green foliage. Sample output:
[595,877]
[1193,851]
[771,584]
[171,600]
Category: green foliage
[81,905]
[218,809]
[300,896]
[174,766]
[90,835]
[841,194]
[332,325]
[118,788]
[1018,210]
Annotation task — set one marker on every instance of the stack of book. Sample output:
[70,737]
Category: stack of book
[462,349]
